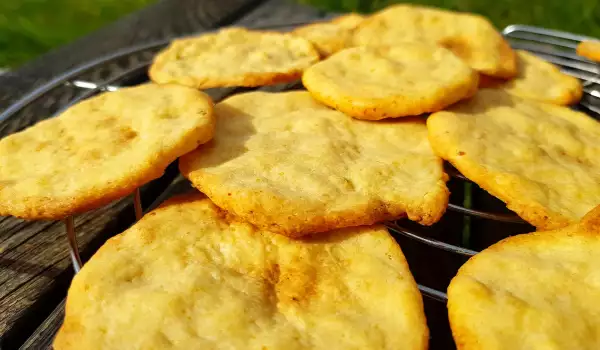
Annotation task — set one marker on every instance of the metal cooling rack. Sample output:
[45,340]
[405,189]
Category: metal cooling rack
[553,46]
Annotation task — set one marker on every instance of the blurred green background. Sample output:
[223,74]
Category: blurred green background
[29,28]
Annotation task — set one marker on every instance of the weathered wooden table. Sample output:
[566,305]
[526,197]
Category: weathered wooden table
[35,268]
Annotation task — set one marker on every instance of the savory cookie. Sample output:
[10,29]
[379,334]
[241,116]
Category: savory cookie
[234,57]
[100,149]
[286,163]
[540,159]
[532,291]
[589,49]
[332,36]
[376,83]
[539,80]
[189,276]
[473,38]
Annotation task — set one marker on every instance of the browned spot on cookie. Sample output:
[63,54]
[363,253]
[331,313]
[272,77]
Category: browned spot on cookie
[296,284]
[273,273]
[459,47]
[127,133]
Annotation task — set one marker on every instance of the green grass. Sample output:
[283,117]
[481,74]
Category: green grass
[29,28]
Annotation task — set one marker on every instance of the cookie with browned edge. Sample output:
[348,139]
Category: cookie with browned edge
[531,291]
[100,149]
[540,159]
[391,82]
[290,165]
[190,276]
[233,57]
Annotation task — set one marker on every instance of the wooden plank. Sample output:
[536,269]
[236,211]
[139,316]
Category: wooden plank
[42,338]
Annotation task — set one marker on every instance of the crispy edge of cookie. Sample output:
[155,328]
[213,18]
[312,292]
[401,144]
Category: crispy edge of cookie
[531,211]
[589,49]
[333,45]
[261,208]
[570,95]
[587,228]
[159,76]
[391,107]
[508,60]
[40,207]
